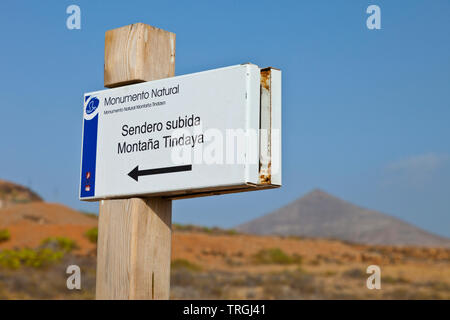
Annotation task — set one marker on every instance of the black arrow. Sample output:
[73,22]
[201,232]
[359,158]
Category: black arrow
[135,173]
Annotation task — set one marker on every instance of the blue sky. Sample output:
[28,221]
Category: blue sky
[365,112]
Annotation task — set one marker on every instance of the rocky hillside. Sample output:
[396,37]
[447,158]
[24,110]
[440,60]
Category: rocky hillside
[31,223]
[319,214]
[12,194]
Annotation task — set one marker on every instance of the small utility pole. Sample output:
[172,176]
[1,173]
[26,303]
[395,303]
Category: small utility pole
[134,244]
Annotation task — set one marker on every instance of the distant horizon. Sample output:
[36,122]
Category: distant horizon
[327,194]
[316,189]
[364,111]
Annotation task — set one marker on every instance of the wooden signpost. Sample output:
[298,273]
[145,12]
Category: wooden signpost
[135,235]
[128,146]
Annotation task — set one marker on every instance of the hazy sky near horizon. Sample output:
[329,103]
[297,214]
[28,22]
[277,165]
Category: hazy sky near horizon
[366,113]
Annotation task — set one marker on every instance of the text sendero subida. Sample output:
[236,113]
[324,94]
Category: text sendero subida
[167,141]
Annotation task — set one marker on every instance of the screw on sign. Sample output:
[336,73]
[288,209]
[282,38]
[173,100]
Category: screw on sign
[144,145]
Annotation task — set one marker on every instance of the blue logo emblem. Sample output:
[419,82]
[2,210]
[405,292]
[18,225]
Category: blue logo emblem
[92,105]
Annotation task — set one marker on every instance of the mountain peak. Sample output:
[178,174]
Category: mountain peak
[320,214]
[317,193]
[320,196]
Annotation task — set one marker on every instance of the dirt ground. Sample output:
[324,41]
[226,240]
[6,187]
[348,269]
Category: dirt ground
[223,264]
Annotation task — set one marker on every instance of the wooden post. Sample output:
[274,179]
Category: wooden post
[134,242]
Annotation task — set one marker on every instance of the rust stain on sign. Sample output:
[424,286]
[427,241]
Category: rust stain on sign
[265,178]
[265,126]
[265,78]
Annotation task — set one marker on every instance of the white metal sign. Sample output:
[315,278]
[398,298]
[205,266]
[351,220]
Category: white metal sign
[209,132]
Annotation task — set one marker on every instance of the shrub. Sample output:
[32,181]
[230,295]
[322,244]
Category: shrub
[92,235]
[231,232]
[183,227]
[207,230]
[59,244]
[329,273]
[275,256]
[185,264]
[89,214]
[393,280]
[355,273]
[4,235]
[35,258]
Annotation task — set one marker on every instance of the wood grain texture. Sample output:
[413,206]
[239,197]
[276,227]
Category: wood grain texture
[134,240]
[134,249]
[138,53]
